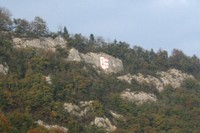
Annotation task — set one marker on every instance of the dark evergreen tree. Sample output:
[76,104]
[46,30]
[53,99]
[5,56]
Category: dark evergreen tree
[65,33]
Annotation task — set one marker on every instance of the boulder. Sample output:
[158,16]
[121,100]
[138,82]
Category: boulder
[48,79]
[105,123]
[4,69]
[100,61]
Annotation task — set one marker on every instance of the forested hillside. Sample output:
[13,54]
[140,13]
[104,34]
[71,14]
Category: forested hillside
[42,90]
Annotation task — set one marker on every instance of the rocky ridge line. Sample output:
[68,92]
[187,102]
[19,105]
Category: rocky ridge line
[46,43]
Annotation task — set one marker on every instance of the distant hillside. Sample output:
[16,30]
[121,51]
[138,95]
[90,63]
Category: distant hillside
[64,83]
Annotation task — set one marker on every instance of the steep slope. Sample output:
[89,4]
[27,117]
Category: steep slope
[51,89]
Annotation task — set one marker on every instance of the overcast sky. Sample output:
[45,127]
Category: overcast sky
[157,24]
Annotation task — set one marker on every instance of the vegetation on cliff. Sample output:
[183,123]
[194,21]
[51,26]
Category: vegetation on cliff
[26,96]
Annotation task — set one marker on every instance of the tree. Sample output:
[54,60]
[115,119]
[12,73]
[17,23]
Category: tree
[92,38]
[22,26]
[65,33]
[91,44]
[179,60]
[39,27]
[4,123]
[79,42]
[5,19]
[162,59]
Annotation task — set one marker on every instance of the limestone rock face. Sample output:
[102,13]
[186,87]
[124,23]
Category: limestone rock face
[105,123]
[102,61]
[46,43]
[138,97]
[49,127]
[4,69]
[79,110]
[142,79]
[74,55]
[116,115]
[172,77]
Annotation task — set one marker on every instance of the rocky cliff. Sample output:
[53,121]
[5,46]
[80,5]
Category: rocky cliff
[172,77]
[45,43]
[100,61]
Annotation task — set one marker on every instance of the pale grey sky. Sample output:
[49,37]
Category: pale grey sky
[156,24]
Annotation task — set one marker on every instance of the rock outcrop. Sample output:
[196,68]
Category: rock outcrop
[46,43]
[117,116]
[4,69]
[49,127]
[84,107]
[79,110]
[142,79]
[105,123]
[138,97]
[172,77]
[102,61]
[48,79]
[74,55]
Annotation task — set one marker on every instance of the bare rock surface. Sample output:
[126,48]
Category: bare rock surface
[46,43]
[138,97]
[74,55]
[105,123]
[172,77]
[142,79]
[4,69]
[116,115]
[79,110]
[48,79]
[102,61]
[49,127]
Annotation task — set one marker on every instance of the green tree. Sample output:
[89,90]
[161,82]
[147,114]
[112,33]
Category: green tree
[39,27]
[162,59]
[65,33]
[179,60]
[22,27]
[92,39]
[5,19]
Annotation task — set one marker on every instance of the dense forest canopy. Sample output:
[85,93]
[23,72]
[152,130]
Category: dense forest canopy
[25,96]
